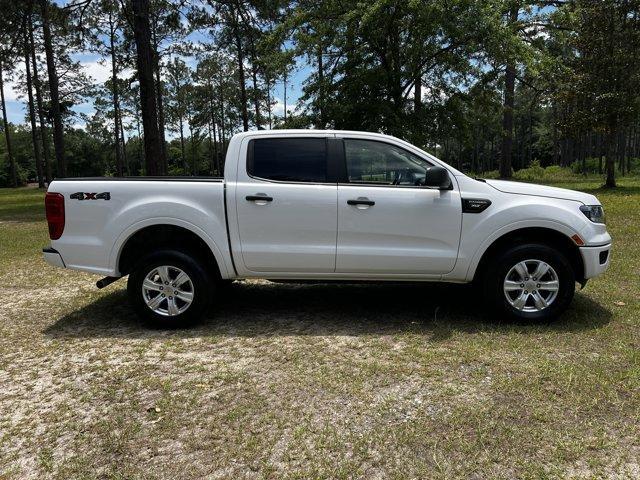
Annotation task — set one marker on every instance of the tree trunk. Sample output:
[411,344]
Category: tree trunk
[507,118]
[583,157]
[124,148]
[223,138]
[632,146]
[32,110]
[144,62]
[417,94]
[269,103]
[162,162]
[322,122]
[13,176]
[212,113]
[140,140]
[611,160]
[116,104]
[212,164]
[38,87]
[182,153]
[600,149]
[194,170]
[216,157]
[256,96]
[623,150]
[241,79]
[58,129]
[285,95]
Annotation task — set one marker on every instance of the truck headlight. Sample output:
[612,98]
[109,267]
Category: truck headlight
[595,213]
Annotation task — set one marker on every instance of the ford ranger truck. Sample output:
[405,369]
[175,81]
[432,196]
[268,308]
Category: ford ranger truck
[327,206]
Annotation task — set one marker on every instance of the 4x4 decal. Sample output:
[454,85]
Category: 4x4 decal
[90,196]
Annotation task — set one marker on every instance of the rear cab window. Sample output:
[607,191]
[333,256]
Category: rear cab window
[301,160]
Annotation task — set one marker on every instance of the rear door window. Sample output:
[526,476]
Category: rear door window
[288,159]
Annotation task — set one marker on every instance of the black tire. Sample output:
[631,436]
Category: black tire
[201,285]
[499,267]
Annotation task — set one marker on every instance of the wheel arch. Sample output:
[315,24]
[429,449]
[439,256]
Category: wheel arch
[153,236]
[544,235]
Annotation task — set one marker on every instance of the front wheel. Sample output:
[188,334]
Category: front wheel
[169,289]
[530,282]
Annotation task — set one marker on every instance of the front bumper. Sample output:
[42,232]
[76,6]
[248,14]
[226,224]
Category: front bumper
[595,259]
[52,257]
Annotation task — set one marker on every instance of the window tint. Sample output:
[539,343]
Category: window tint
[289,159]
[378,162]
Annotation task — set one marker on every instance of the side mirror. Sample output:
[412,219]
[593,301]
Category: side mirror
[437,177]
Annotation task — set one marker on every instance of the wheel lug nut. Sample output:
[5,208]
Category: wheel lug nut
[170,298]
[538,285]
[522,285]
[166,283]
[161,288]
[526,291]
[163,295]
[175,292]
[526,278]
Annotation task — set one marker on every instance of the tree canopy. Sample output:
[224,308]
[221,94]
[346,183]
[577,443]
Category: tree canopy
[485,84]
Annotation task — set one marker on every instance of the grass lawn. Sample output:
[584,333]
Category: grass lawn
[320,381]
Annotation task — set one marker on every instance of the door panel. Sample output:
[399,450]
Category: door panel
[387,222]
[287,222]
[294,232]
[407,230]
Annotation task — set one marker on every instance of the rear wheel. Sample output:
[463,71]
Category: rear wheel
[531,282]
[169,289]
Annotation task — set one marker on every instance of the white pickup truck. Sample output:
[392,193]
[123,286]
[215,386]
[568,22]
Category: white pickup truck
[327,205]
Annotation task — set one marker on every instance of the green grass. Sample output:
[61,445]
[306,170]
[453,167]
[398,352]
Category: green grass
[316,381]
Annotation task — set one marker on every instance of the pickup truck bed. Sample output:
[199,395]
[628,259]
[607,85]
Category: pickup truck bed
[94,240]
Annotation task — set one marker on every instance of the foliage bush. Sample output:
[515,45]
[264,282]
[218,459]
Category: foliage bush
[537,173]
[492,174]
[591,165]
[534,172]
[5,175]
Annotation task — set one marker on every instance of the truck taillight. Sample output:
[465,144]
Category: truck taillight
[54,206]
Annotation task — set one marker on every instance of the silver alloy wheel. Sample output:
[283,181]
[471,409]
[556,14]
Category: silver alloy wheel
[167,290]
[531,285]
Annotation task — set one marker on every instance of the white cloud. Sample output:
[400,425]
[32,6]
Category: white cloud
[100,71]
[278,107]
[11,92]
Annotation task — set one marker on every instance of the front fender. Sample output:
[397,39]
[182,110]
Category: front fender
[508,213]
[512,227]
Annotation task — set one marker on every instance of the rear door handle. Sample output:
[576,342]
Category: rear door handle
[361,201]
[261,197]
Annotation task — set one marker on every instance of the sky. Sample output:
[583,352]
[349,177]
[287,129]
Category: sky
[100,70]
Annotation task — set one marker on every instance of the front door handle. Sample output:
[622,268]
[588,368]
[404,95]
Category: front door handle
[261,197]
[361,201]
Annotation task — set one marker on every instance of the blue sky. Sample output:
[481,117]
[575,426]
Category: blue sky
[16,108]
